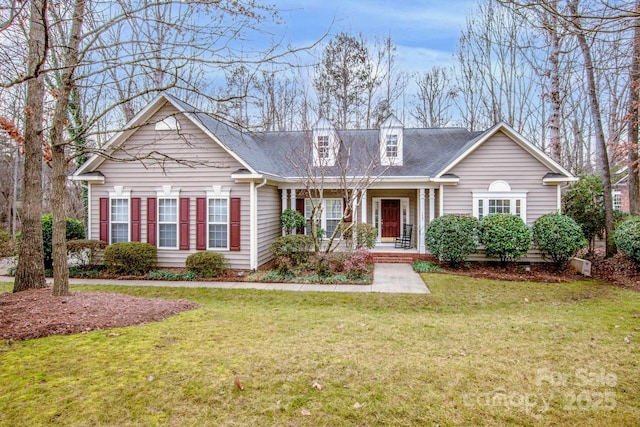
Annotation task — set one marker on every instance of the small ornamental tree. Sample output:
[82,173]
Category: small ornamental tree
[505,237]
[558,237]
[584,202]
[292,220]
[627,238]
[452,238]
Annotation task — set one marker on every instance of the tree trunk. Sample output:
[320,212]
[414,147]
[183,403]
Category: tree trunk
[634,104]
[30,269]
[602,158]
[59,161]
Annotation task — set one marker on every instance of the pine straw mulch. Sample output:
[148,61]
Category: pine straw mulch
[37,313]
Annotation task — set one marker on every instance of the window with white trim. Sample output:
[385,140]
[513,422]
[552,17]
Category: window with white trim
[323,147]
[617,200]
[119,219]
[499,199]
[218,223]
[392,146]
[330,217]
[168,223]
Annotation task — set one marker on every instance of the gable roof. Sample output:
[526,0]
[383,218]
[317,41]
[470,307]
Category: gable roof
[516,137]
[429,153]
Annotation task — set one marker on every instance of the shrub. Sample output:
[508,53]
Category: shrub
[85,251]
[366,234]
[584,202]
[6,246]
[627,238]
[170,275]
[292,220]
[130,258]
[505,237]
[322,265]
[74,230]
[207,264]
[558,237]
[452,238]
[295,247]
[425,267]
[357,265]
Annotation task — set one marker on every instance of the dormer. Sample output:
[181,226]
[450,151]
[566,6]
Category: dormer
[391,136]
[325,143]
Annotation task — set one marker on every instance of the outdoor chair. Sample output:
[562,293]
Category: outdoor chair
[404,241]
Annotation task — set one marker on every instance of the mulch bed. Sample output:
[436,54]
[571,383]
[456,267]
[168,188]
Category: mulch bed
[36,313]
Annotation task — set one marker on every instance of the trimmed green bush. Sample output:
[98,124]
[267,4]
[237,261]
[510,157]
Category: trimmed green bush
[366,234]
[505,237]
[292,220]
[6,246]
[452,238]
[135,258]
[74,231]
[558,237]
[627,238]
[207,264]
[295,247]
[584,202]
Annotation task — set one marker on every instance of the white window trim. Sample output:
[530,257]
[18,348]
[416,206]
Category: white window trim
[330,160]
[119,193]
[512,196]
[323,214]
[219,193]
[168,193]
[385,133]
[618,194]
[168,123]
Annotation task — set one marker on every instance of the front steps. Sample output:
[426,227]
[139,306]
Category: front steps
[397,257]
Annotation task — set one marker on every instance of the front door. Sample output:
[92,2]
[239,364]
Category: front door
[390,218]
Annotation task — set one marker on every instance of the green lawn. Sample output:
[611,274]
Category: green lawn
[475,352]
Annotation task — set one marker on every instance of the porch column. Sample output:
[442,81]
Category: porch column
[432,204]
[354,220]
[441,200]
[284,203]
[293,205]
[421,220]
[363,204]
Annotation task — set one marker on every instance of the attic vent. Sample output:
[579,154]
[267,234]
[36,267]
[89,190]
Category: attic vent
[169,123]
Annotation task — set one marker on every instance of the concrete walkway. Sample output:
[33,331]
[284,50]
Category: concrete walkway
[387,278]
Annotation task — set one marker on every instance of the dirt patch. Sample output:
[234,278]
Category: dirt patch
[36,313]
[618,270]
[516,272]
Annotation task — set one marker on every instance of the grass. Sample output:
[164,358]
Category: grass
[475,352]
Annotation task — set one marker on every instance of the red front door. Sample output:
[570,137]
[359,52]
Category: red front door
[390,218]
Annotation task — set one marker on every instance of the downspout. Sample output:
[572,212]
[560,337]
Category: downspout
[253,238]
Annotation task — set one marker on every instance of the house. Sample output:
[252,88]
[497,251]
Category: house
[199,184]
[620,191]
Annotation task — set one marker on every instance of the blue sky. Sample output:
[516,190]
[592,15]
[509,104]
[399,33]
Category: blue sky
[424,32]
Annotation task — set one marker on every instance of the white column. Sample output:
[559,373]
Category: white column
[284,204]
[293,205]
[354,219]
[253,220]
[421,220]
[441,200]
[432,204]
[363,204]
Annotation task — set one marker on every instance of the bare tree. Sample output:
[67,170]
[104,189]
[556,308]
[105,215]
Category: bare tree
[434,98]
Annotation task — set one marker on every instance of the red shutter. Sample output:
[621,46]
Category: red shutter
[135,219]
[104,219]
[234,222]
[184,224]
[201,223]
[300,208]
[152,212]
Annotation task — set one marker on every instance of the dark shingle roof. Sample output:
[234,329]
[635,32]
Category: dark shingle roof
[288,154]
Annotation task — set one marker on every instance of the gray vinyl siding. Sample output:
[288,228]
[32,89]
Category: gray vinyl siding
[500,158]
[269,207]
[212,166]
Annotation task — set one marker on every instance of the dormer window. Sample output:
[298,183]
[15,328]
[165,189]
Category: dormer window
[391,135]
[392,146]
[323,147]
[325,143]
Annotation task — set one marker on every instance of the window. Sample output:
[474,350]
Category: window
[323,146]
[168,223]
[617,200]
[499,199]
[392,146]
[119,220]
[330,217]
[218,223]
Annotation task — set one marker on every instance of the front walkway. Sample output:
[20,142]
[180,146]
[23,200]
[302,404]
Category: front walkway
[387,278]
